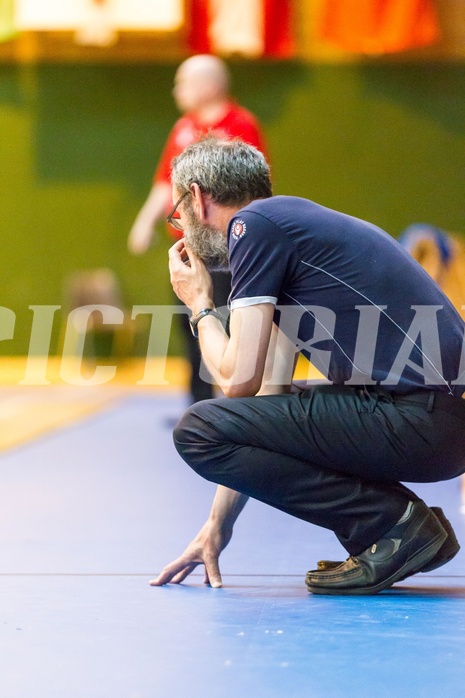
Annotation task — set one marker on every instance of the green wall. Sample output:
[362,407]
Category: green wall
[79,143]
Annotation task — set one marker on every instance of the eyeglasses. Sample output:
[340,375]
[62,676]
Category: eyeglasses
[173,217]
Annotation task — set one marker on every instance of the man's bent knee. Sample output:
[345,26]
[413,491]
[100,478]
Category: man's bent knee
[196,439]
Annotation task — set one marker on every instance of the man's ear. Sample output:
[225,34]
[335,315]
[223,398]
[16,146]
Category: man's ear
[198,202]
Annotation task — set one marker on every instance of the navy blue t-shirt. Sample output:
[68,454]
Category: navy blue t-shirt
[353,300]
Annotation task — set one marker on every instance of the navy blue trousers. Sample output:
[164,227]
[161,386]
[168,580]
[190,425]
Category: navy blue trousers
[335,456]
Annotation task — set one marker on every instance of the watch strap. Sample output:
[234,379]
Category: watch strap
[194,321]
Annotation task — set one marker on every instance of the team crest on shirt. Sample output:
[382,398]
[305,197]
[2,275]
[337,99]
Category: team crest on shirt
[239,229]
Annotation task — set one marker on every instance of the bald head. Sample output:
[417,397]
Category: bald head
[201,81]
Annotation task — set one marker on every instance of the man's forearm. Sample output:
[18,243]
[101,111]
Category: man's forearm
[151,212]
[237,362]
[226,507]
[213,342]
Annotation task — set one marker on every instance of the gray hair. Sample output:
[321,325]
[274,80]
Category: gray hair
[230,171]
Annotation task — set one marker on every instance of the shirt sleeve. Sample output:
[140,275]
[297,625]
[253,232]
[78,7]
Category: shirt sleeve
[163,171]
[259,255]
[184,132]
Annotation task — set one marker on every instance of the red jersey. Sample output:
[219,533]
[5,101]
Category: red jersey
[238,122]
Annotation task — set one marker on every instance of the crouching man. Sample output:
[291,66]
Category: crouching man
[344,293]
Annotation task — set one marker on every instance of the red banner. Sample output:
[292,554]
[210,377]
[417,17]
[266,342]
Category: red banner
[253,28]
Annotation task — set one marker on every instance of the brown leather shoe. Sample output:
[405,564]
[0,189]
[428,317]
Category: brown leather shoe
[410,545]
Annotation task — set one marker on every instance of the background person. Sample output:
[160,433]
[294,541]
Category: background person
[202,93]
[335,455]
[442,255]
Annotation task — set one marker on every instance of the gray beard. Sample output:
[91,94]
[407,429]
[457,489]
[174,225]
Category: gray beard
[208,243]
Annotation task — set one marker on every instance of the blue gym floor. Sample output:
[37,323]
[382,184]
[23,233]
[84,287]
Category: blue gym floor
[91,512]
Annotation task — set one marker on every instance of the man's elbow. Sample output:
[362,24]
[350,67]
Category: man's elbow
[248,389]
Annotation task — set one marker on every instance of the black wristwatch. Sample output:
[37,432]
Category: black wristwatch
[194,320]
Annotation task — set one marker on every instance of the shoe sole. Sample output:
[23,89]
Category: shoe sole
[413,565]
